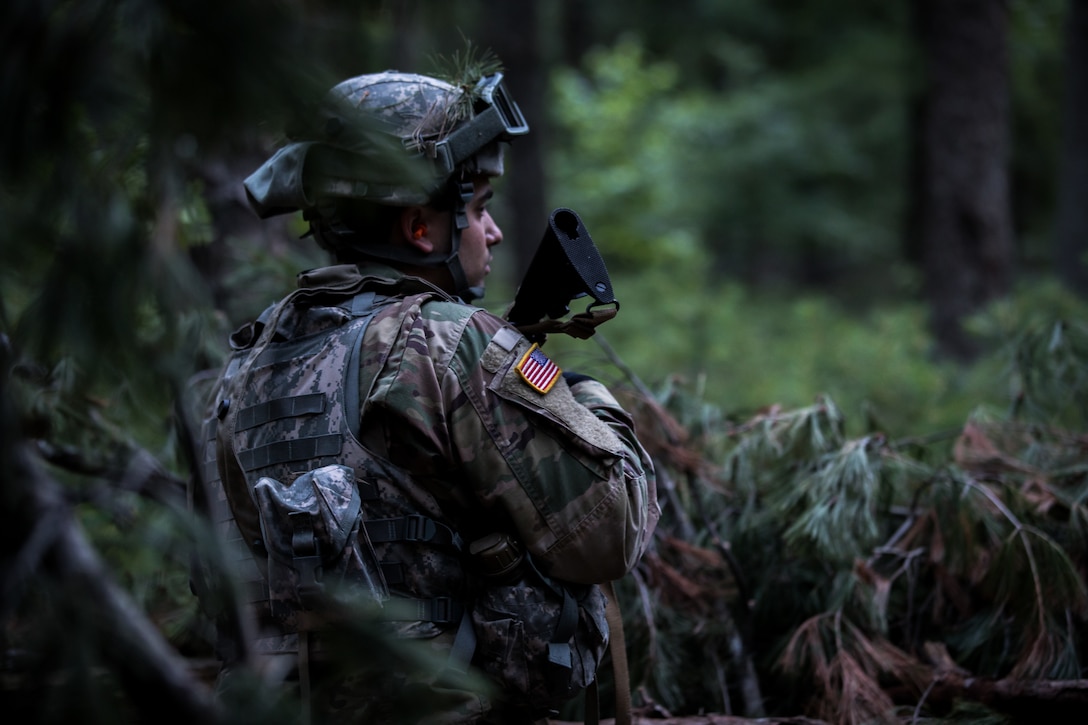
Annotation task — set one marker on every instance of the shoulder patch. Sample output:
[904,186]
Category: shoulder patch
[537,369]
[507,338]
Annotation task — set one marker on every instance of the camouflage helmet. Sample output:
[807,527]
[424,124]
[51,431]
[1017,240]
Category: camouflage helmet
[391,138]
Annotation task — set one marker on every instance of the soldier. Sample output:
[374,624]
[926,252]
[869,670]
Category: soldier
[441,461]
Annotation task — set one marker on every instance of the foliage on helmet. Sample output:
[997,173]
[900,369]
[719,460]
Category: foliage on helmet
[464,71]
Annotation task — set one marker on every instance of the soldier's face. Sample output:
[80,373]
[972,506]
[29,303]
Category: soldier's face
[481,235]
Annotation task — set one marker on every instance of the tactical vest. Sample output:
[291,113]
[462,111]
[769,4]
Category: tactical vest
[283,441]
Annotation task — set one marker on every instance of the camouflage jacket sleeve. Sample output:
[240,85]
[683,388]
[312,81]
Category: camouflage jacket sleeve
[561,463]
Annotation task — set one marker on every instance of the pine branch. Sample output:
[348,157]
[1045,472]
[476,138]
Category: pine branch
[141,472]
[893,548]
[156,679]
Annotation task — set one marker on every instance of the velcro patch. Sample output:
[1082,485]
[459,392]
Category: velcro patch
[538,370]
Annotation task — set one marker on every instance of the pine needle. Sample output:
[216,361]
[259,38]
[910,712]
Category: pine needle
[464,69]
[858,698]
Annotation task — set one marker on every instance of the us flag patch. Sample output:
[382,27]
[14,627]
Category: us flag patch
[538,370]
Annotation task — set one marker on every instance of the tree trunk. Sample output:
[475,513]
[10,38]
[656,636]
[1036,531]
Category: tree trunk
[577,31]
[408,37]
[512,30]
[962,186]
[1071,252]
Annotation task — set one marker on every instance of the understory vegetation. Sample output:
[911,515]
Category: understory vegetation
[805,565]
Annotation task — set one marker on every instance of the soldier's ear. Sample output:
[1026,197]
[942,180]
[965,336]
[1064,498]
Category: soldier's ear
[415,230]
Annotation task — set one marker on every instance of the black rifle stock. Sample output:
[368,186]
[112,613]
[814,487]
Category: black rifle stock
[566,266]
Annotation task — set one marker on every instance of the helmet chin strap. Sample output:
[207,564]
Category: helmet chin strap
[332,234]
[464,193]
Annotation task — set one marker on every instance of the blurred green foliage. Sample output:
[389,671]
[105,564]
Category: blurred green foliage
[743,351]
[771,179]
[705,204]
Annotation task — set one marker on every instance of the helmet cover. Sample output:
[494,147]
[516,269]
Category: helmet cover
[390,138]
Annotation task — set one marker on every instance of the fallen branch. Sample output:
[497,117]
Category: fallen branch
[1032,700]
[156,679]
[709,720]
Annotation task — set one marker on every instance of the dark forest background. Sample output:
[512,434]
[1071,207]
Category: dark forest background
[849,241]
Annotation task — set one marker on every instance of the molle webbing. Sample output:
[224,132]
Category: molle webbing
[209,468]
[280,408]
[289,451]
[271,344]
[440,610]
[292,451]
[238,557]
[412,528]
[288,419]
[297,401]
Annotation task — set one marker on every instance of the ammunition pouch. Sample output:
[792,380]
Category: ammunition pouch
[539,638]
[316,542]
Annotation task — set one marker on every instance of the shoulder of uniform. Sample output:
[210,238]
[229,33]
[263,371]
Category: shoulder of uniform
[482,327]
[444,310]
[474,323]
[470,330]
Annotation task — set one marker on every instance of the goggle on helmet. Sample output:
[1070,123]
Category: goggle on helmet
[390,138]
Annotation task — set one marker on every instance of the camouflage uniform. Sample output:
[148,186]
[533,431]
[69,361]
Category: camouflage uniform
[373,408]
[450,428]
[563,468]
